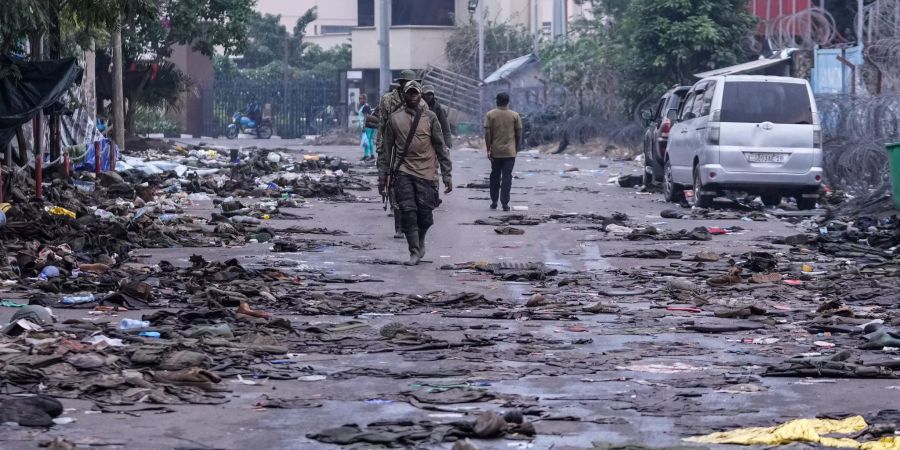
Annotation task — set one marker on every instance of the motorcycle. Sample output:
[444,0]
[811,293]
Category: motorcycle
[240,123]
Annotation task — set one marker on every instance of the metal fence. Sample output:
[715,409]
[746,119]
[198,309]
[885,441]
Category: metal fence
[299,107]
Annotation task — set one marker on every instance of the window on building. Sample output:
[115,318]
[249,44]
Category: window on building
[336,29]
[409,12]
[365,13]
[418,12]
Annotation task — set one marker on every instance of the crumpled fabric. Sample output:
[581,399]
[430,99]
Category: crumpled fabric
[802,430]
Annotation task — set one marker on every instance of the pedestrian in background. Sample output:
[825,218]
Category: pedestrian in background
[367,138]
[502,138]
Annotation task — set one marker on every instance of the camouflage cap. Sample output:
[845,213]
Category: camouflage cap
[406,75]
[412,85]
[427,89]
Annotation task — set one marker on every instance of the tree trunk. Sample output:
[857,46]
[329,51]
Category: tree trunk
[90,82]
[118,90]
[130,111]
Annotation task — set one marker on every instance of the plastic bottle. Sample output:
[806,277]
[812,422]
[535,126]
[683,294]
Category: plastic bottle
[149,334]
[132,324]
[76,299]
[49,272]
[168,217]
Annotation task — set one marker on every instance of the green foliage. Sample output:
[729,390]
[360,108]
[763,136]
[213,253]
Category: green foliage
[205,25]
[662,42]
[165,91]
[266,38]
[153,120]
[320,63]
[582,64]
[502,42]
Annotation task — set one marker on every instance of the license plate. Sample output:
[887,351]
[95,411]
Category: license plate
[766,157]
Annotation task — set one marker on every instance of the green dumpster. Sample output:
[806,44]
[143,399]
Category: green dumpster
[894,157]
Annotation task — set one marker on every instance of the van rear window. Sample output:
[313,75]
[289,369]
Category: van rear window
[756,102]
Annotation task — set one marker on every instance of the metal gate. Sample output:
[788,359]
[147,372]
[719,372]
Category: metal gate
[299,107]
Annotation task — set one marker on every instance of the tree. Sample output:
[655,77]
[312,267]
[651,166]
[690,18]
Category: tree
[582,64]
[205,25]
[502,42]
[264,57]
[266,38]
[661,42]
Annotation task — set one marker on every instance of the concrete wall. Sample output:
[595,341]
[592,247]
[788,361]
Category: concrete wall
[200,69]
[412,47]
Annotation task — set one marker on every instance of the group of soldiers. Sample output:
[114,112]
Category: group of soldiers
[413,155]
[412,143]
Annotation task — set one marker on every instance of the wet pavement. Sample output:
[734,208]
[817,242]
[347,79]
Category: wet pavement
[633,376]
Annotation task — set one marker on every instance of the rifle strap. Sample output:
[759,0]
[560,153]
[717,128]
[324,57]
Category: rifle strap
[409,137]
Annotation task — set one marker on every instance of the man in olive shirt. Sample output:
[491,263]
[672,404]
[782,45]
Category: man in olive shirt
[413,170]
[502,137]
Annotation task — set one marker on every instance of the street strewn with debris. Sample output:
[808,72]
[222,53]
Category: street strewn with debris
[262,303]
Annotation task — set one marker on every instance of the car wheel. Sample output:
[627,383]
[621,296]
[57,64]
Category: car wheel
[700,201]
[805,203]
[231,132]
[672,192]
[771,200]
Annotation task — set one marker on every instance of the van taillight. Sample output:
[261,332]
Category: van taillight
[716,116]
[664,127]
[713,135]
[817,138]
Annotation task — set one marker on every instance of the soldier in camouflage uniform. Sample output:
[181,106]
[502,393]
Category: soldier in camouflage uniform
[390,103]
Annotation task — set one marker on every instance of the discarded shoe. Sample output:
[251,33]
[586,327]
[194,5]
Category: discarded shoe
[244,309]
[762,278]
[509,230]
[536,300]
[732,277]
[193,377]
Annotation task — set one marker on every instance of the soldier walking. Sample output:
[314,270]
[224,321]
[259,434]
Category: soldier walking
[415,141]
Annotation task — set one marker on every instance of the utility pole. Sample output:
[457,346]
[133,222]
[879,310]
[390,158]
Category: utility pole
[535,25]
[384,43]
[479,11]
[558,25]
[860,10]
[118,90]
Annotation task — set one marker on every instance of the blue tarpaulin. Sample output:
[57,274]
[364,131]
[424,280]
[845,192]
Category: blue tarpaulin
[90,156]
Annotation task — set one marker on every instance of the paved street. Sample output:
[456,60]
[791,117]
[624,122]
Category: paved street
[633,375]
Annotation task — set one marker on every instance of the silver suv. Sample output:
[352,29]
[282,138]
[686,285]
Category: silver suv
[751,134]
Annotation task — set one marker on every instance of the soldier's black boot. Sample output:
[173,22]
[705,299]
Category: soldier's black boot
[422,232]
[398,224]
[411,229]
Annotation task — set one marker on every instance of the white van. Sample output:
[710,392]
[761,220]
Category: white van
[752,134]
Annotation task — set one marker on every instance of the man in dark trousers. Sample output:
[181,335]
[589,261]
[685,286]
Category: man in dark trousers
[416,143]
[502,137]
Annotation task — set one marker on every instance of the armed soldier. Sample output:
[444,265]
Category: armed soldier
[391,102]
[415,141]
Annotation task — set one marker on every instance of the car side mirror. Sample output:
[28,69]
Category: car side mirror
[690,116]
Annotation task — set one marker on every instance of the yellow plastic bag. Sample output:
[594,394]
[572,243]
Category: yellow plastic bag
[801,430]
[59,211]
